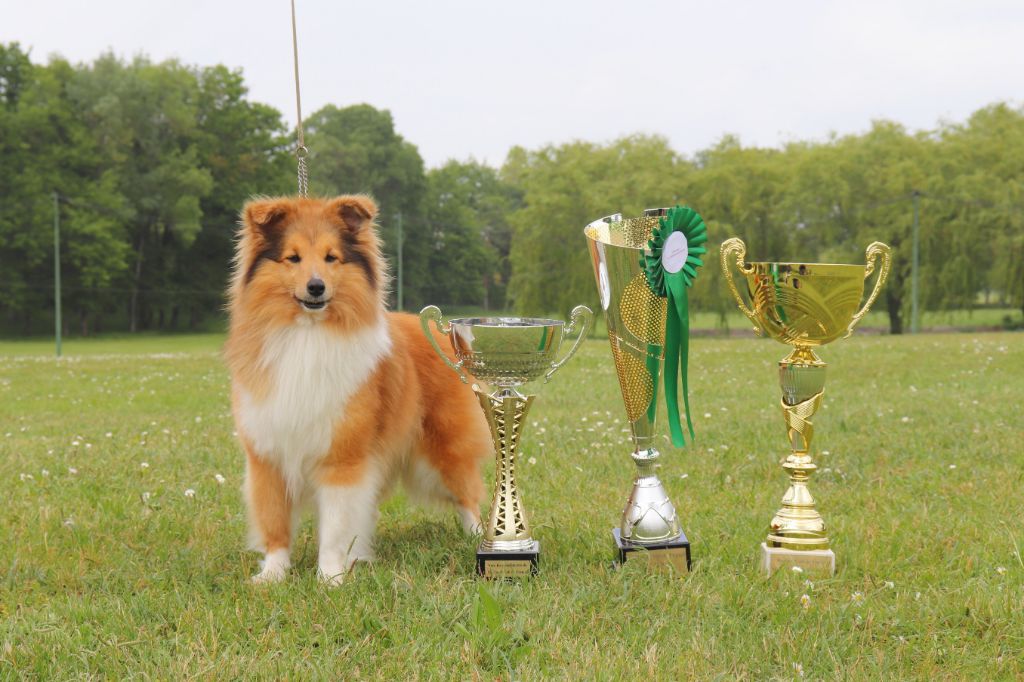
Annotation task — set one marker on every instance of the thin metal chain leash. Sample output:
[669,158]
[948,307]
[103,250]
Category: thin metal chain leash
[301,152]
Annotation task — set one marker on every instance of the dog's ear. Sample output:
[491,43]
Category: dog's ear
[356,211]
[265,218]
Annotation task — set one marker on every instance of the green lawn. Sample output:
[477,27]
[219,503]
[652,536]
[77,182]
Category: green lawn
[108,570]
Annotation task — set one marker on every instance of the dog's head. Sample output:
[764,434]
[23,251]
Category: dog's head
[313,259]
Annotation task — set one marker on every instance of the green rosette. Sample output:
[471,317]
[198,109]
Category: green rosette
[670,264]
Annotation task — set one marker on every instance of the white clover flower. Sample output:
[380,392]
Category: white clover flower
[684,475]
[145,497]
[144,465]
[798,669]
[1001,570]
[532,460]
[805,601]
[198,419]
[707,415]
[220,479]
[809,585]
[890,584]
[857,598]
[72,470]
[797,569]
[108,434]
[905,420]
[952,466]
[189,492]
[45,473]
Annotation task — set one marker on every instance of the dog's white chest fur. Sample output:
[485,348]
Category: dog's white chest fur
[313,374]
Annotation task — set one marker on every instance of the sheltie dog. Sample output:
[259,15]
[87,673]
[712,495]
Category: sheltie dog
[334,398]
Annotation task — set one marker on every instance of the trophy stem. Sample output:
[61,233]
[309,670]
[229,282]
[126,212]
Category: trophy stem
[798,525]
[507,529]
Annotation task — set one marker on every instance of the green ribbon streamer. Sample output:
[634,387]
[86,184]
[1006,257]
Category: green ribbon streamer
[677,351]
[672,286]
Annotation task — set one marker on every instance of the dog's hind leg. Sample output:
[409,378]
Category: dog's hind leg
[270,517]
[453,456]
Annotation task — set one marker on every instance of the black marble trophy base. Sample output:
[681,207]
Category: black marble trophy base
[508,565]
[674,552]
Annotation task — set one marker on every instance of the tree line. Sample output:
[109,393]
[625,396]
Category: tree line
[150,163]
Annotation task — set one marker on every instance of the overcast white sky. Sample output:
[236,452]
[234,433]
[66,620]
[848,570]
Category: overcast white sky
[472,79]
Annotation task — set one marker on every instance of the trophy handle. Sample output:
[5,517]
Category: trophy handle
[729,247]
[432,312]
[874,250]
[580,319]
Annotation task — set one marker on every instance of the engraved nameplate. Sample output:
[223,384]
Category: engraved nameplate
[508,568]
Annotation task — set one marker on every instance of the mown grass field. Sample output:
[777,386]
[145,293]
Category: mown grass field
[108,570]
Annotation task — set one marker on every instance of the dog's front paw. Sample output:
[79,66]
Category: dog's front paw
[274,569]
[334,568]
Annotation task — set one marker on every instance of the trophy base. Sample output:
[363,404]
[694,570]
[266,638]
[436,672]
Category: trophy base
[820,561]
[674,553]
[508,565]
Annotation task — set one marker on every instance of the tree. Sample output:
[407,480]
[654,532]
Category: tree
[356,150]
[566,187]
[466,208]
[144,116]
[244,146]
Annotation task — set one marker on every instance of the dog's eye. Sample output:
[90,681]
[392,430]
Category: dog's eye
[294,258]
[330,258]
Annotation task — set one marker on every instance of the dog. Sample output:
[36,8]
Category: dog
[335,399]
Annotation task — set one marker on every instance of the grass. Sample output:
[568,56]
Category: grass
[111,571]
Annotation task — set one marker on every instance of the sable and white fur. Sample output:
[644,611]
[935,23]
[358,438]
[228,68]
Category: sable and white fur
[334,398]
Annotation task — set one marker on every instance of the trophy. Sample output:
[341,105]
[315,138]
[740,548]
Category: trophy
[503,353]
[644,318]
[804,305]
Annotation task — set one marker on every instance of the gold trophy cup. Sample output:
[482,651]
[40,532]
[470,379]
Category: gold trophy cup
[649,528]
[804,305]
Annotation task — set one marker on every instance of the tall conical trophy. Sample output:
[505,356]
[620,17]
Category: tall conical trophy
[502,354]
[643,266]
[805,305]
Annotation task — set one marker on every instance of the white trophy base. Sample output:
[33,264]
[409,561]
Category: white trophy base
[819,561]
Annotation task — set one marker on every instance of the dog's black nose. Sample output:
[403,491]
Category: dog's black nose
[316,287]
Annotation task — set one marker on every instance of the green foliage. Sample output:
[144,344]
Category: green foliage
[356,150]
[153,161]
[806,202]
[563,189]
[467,208]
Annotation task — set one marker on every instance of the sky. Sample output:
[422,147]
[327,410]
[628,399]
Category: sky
[473,79]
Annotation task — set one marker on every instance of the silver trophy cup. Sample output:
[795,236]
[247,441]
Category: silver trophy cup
[502,354]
